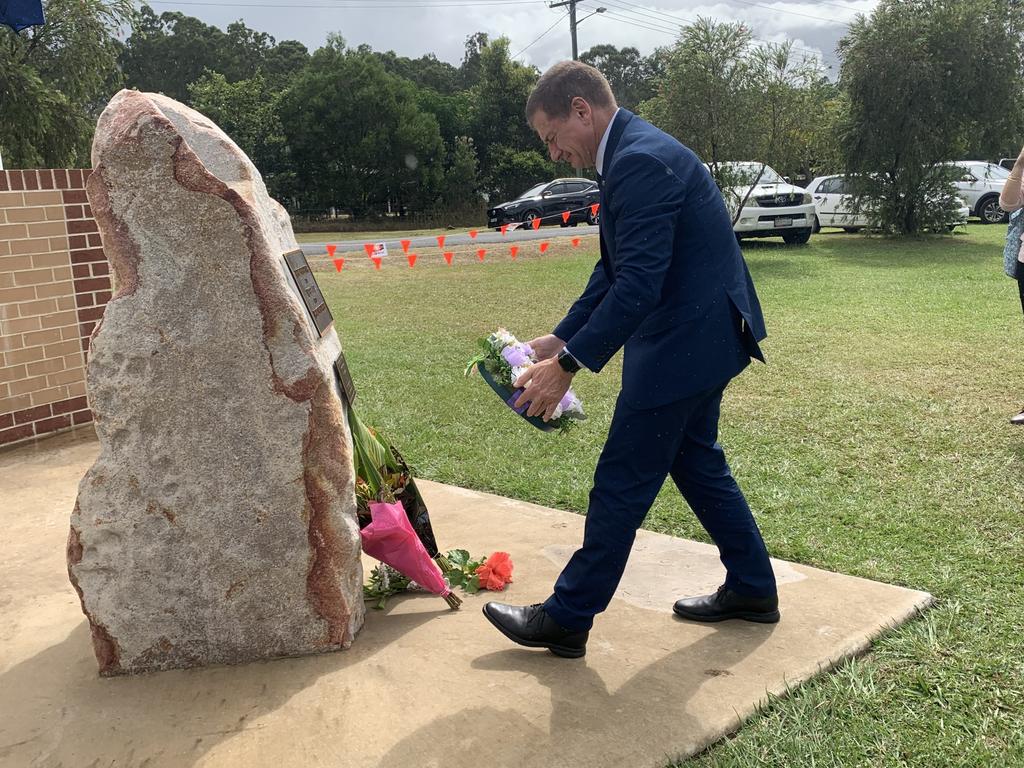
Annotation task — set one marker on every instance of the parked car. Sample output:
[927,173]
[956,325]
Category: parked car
[980,186]
[548,201]
[774,207]
[1007,162]
[833,202]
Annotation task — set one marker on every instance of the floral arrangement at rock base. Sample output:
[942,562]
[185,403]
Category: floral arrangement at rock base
[472,575]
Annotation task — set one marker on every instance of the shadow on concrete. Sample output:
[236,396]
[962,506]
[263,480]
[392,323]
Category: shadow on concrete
[583,710]
[64,714]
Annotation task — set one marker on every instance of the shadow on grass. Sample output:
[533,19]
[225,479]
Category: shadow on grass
[921,252]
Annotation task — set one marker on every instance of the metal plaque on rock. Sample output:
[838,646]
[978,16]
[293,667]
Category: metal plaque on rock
[345,378]
[310,291]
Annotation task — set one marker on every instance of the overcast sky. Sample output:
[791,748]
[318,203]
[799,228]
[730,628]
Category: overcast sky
[415,27]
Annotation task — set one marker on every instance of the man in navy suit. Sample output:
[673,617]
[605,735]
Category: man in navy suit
[671,290]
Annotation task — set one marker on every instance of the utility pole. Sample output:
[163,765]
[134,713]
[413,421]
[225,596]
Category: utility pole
[572,23]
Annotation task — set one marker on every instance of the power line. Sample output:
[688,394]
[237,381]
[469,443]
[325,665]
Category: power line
[675,32]
[748,2]
[677,22]
[661,18]
[542,34]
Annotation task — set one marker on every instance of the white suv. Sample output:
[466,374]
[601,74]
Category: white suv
[774,207]
[836,206]
[980,186]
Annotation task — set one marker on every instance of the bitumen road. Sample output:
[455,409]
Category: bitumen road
[459,237]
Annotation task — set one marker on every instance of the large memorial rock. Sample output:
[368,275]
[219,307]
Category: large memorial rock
[219,523]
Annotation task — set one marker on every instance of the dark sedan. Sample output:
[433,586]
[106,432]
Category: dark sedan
[548,202]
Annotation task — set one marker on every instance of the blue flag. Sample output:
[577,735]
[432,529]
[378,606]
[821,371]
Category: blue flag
[18,14]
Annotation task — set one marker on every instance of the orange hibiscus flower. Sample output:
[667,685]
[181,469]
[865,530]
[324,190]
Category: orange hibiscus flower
[496,571]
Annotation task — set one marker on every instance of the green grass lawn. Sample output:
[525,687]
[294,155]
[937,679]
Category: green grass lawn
[875,442]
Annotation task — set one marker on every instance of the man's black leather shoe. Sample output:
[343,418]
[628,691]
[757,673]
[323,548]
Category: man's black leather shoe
[531,626]
[726,604]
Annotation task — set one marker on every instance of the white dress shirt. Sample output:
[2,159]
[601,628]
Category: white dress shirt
[599,160]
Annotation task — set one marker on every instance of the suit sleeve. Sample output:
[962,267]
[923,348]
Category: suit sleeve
[645,202]
[596,288]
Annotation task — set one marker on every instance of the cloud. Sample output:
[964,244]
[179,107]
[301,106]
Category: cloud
[413,32]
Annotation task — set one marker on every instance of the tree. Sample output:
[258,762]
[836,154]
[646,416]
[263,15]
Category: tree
[925,79]
[731,100]
[628,73]
[165,53]
[460,189]
[356,137]
[284,60]
[514,172]
[498,123]
[248,112]
[427,71]
[169,52]
[788,98]
[704,96]
[469,71]
[55,79]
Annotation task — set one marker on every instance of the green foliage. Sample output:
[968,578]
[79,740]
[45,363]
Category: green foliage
[247,110]
[384,582]
[426,72]
[513,172]
[703,98]
[925,80]
[630,75]
[463,570]
[357,137]
[55,79]
[459,189]
[497,122]
[167,53]
[728,99]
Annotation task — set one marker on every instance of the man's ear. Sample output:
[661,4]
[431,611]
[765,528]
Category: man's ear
[582,108]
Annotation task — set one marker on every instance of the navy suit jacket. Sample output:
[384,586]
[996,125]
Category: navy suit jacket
[671,287]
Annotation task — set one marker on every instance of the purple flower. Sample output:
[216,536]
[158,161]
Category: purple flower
[514,356]
[566,400]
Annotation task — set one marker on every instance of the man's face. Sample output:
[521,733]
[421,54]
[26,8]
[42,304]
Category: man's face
[570,139]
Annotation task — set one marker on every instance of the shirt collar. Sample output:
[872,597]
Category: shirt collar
[599,160]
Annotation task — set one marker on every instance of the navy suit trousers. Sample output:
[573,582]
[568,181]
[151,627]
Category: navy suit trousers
[643,447]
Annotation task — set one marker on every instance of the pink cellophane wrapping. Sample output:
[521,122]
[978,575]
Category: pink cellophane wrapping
[391,539]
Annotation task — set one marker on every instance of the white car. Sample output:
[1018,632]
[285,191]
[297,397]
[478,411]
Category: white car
[980,186]
[834,204]
[774,207]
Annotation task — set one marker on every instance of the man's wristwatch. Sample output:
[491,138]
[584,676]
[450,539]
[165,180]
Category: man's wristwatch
[567,361]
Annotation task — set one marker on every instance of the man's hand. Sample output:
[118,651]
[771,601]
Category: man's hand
[546,346]
[545,385]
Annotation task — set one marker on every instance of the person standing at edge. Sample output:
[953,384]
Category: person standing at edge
[1012,199]
[672,288]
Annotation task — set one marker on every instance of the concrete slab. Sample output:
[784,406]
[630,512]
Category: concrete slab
[422,687]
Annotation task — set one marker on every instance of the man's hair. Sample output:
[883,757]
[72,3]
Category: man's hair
[566,80]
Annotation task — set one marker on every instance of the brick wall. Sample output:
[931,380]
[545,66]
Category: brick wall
[54,284]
